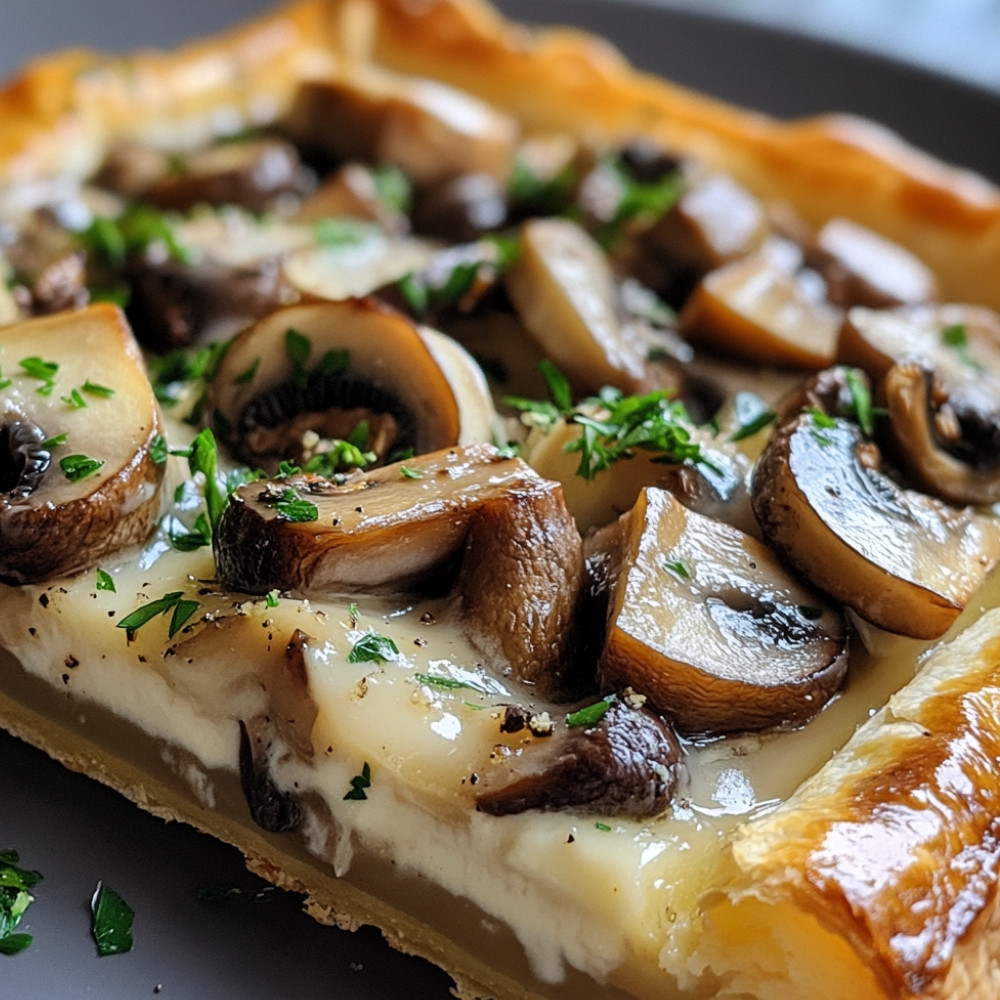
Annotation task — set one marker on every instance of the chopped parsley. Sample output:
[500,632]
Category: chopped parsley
[44,371]
[105,581]
[139,227]
[861,400]
[755,424]
[77,467]
[448,683]
[55,441]
[591,714]
[680,568]
[956,336]
[271,598]
[74,400]
[407,473]
[360,782]
[180,611]
[373,648]
[392,188]
[614,426]
[95,389]
[294,508]
[111,922]
[342,231]
[15,897]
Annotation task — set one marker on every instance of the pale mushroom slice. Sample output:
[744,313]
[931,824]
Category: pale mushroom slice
[466,518]
[764,307]
[564,292]
[308,375]
[706,623]
[861,267]
[902,560]
[944,426]
[78,423]
[428,129]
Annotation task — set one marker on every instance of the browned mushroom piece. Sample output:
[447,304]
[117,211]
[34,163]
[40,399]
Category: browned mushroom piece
[305,377]
[351,191]
[405,528]
[714,221]
[902,560]
[251,173]
[47,268]
[609,758]
[929,443]
[709,626]
[566,296]
[939,374]
[78,480]
[862,268]
[765,307]
[429,130]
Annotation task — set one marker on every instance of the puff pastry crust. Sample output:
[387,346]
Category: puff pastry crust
[878,877]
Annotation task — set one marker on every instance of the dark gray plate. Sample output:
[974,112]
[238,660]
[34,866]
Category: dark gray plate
[77,832]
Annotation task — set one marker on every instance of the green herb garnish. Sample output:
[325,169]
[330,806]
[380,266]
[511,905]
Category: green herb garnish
[956,337]
[111,923]
[292,507]
[45,371]
[95,389]
[74,400]
[55,441]
[751,427]
[136,229]
[861,400]
[373,648]
[105,581]
[590,714]
[15,898]
[448,683]
[180,611]
[77,467]
[360,782]
[680,568]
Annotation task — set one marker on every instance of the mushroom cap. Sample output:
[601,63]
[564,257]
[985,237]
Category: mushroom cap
[462,518]
[709,626]
[65,524]
[427,384]
[902,560]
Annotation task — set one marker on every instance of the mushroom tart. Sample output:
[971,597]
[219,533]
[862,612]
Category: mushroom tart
[527,506]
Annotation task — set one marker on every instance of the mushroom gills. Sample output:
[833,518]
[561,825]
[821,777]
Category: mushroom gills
[902,560]
[706,623]
[79,419]
[319,370]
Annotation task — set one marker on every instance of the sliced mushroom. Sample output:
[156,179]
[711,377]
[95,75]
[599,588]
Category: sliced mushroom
[945,418]
[252,173]
[902,560]
[405,528]
[428,129]
[862,268]
[626,762]
[360,362]
[352,191]
[78,420]
[714,221]
[565,295]
[765,307]
[708,625]
[929,444]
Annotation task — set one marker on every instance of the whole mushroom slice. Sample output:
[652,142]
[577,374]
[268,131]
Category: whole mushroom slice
[78,419]
[612,757]
[945,422]
[929,444]
[431,131]
[706,623]
[714,221]
[862,268]
[466,518]
[565,295]
[902,560]
[765,307]
[310,374]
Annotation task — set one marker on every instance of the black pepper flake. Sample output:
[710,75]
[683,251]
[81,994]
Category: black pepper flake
[71,661]
[571,839]
[43,600]
[32,631]
[359,509]
[142,658]
[111,614]
[427,619]
[473,778]
[65,678]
